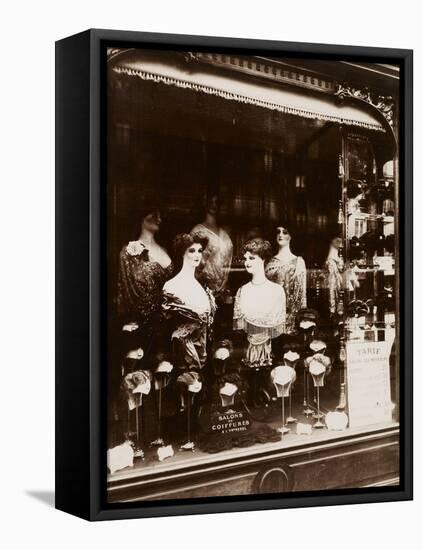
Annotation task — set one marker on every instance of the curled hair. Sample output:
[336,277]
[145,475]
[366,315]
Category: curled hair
[182,242]
[259,247]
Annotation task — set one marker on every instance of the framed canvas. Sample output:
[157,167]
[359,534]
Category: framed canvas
[233,274]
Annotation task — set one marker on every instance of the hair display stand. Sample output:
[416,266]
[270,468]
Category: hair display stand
[317,371]
[308,411]
[138,452]
[161,380]
[282,378]
[291,359]
[189,445]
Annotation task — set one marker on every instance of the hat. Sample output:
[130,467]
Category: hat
[316,367]
[162,375]
[228,389]
[221,353]
[190,381]
[138,382]
[137,353]
[317,346]
[323,359]
[164,366]
[307,318]
[291,356]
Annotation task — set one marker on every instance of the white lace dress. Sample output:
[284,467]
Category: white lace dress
[260,311]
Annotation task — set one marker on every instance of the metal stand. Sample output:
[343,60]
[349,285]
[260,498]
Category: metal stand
[319,424]
[290,419]
[161,382]
[307,410]
[283,429]
[189,445]
[138,452]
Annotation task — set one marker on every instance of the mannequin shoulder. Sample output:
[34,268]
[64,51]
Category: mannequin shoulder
[171,286]
[276,289]
[301,266]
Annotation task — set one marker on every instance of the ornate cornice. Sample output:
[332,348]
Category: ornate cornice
[384,104]
[278,72]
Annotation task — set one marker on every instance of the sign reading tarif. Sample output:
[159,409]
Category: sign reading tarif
[368,382]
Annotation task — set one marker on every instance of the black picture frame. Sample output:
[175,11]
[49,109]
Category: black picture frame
[80,275]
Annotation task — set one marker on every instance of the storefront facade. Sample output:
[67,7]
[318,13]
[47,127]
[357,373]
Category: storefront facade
[306,146]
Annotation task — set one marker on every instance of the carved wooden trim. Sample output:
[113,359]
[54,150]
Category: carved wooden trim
[384,104]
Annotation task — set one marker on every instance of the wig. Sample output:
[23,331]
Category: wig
[182,242]
[259,247]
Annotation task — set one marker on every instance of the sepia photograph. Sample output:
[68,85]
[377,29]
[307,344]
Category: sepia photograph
[253,274]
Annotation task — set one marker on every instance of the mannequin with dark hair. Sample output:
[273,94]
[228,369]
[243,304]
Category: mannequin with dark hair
[144,266]
[259,308]
[188,305]
[289,271]
[217,257]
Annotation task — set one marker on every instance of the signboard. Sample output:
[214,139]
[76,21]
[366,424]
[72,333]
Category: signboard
[229,422]
[368,382]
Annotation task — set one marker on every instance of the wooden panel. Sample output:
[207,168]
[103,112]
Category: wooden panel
[353,463]
[348,468]
[230,486]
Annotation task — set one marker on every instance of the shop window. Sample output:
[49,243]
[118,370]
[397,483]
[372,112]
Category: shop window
[254,303]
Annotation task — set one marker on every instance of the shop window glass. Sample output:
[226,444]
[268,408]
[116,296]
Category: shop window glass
[243,313]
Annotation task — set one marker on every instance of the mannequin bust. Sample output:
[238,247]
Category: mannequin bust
[217,257]
[259,305]
[289,271]
[143,268]
[184,285]
[149,227]
[187,304]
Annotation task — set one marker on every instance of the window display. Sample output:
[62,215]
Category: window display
[258,304]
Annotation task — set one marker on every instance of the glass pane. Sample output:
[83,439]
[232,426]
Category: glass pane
[252,276]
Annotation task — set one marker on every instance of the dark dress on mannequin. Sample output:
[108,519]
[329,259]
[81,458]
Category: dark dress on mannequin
[140,286]
[190,330]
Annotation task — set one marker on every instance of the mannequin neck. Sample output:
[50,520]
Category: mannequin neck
[147,237]
[187,271]
[285,252]
[259,277]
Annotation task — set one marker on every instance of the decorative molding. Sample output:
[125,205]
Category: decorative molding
[263,68]
[384,104]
